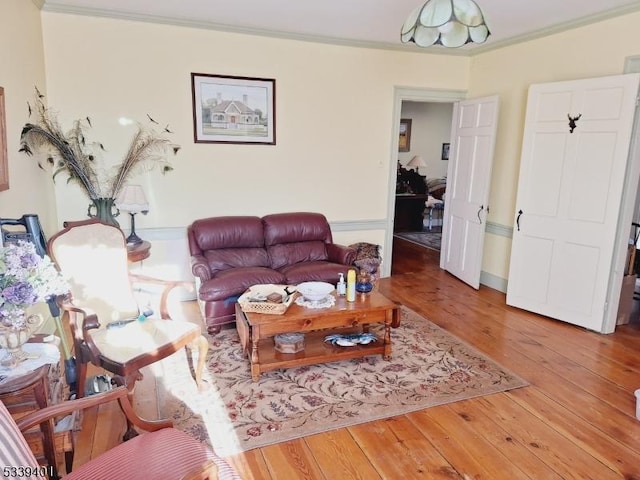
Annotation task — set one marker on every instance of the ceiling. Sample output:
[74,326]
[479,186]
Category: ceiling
[368,23]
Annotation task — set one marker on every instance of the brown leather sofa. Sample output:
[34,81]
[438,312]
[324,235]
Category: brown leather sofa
[230,254]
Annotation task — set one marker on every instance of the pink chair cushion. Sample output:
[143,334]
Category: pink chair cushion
[14,450]
[166,454]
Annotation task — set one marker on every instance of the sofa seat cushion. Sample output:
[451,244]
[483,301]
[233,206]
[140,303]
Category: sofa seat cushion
[313,272]
[236,280]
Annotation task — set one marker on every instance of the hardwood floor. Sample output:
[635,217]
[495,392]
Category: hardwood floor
[576,420]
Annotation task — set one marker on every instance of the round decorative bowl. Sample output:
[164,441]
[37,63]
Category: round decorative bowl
[315,291]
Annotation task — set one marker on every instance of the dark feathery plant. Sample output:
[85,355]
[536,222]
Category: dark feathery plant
[74,154]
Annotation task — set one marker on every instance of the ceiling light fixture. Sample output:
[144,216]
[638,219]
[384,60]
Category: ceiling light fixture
[450,23]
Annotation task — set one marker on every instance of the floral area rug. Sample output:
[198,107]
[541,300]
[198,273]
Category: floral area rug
[430,240]
[429,367]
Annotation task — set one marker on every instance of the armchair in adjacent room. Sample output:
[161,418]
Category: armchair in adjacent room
[106,323]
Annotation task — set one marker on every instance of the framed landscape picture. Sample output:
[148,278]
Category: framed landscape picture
[228,109]
[404,142]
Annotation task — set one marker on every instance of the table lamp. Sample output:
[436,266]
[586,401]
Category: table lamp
[132,199]
[417,162]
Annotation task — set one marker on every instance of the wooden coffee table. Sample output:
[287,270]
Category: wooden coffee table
[257,330]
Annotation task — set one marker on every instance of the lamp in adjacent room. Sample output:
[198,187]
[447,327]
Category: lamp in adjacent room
[450,23]
[416,162]
[132,199]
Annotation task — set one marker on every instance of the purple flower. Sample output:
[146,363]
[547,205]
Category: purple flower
[29,260]
[26,278]
[20,293]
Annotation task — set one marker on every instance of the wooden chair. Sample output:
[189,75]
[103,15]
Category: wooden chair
[162,454]
[102,311]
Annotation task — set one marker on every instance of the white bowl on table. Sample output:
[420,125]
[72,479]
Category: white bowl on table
[315,291]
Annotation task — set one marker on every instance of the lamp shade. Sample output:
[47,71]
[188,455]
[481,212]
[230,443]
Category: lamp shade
[132,199]
[417,162]
[450,23]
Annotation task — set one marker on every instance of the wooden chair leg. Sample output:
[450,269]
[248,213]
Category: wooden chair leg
[128,381]
[81,380]
[202,345]
[68,460]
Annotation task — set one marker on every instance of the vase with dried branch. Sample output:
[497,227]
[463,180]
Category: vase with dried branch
[74,154]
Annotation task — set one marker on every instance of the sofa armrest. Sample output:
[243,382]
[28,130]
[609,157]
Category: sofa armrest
[341,254]
[200,268]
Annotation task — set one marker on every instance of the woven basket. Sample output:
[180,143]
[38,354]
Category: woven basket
[261,291]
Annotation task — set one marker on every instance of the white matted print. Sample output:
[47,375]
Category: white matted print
[228,109]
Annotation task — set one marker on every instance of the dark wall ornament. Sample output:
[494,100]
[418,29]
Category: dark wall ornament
[445,151]
[572,122]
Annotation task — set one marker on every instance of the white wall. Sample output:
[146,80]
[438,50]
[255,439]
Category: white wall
[21,68]
[334,108]
[430,128]
[333,117]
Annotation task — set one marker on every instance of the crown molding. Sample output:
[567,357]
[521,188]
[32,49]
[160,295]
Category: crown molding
[561,27]
[466,51]
[180,22]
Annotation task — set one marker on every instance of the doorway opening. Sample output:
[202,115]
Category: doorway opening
[420,176]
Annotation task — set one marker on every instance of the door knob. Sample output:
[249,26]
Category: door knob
[518,219]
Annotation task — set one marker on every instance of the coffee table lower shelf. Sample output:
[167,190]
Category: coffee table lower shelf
[316,351]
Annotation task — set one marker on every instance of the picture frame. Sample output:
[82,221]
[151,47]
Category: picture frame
[4,161]
[404,140]
[232,109]
[445,151]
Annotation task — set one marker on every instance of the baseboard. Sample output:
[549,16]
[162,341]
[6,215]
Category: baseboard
[169,257]
[493,281]
[499,229]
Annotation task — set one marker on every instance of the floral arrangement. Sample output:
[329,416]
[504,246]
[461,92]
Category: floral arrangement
[74,154]
[26,279]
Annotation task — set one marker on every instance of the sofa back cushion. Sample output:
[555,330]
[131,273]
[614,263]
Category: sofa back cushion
[226,258]
[295,227]
[292,253]
[296,237]
[229,242]
[227,232]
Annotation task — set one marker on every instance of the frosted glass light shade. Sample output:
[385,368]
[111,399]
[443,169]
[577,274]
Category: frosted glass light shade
[451,23]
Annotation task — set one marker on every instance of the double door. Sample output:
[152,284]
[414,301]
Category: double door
[574,203]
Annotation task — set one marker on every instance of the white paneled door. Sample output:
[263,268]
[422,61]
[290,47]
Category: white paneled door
[572,173]
[465,209]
